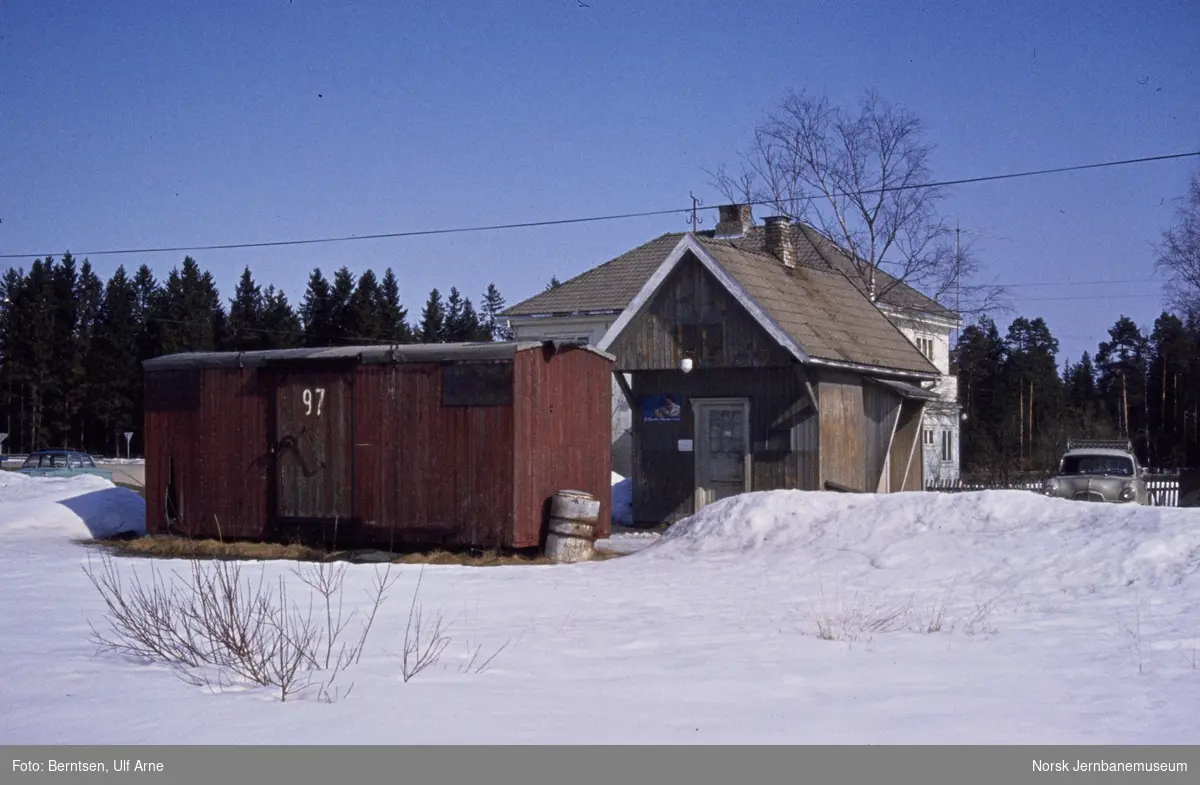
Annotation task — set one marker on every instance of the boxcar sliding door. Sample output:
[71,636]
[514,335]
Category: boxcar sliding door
[313,445]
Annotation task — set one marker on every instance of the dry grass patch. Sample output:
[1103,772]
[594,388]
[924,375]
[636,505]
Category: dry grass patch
[170,547]
[174,547]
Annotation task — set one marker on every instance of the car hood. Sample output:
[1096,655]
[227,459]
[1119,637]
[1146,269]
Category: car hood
[1069,485]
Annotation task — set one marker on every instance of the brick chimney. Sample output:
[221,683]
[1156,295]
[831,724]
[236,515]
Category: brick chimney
[736,221]
[779,239]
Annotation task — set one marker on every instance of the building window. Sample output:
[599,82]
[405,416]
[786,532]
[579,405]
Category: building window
[929,437]
[948,446]
[925,345]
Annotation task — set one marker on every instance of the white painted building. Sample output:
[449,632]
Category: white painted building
[942,427]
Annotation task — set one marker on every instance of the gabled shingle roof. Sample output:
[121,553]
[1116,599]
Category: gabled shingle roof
[821,303]
[613,285]
[609,287]
[819,308]
[814,249]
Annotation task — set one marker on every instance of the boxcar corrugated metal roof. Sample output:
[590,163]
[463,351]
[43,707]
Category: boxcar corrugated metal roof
[400,353]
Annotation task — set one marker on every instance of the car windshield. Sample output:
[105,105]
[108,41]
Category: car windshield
[1098,464]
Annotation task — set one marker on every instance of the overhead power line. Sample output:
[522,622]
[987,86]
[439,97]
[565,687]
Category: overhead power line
[589,219]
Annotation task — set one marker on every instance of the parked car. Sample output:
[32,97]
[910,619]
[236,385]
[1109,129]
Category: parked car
[61,463]
[1096,470]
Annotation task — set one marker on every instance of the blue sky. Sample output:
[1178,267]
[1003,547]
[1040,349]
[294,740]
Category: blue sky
[149,124]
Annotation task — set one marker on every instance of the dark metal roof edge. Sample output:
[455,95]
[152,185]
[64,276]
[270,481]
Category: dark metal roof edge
[373,354]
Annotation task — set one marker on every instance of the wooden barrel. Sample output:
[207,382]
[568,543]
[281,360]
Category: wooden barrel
[572,529]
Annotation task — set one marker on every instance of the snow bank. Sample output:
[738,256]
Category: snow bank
[1004,535]
[85,506]
[622,500]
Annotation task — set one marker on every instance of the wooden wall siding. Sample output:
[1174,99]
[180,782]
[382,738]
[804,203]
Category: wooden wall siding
[562,440]
[454,474]
[377,451]
[881,408]
[217,451]
[693,308]
[783,436]
[427,469]
[232,430]
[842,434]
[906,464]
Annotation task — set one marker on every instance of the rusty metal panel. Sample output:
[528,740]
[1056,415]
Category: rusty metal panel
[314,431]
[563,426]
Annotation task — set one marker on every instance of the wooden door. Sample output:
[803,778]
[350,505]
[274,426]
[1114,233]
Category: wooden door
[722,449]
[313,445]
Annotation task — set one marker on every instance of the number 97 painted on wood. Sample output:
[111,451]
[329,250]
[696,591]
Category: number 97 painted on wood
[313,400]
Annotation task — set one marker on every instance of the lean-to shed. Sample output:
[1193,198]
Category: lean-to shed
[455,445]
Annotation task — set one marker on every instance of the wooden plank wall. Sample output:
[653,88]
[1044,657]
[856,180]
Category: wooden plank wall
[881,407]
[783,435]
[455,467]
[211,429]
[562,436]
[842,435]
[907,463]
[692,298]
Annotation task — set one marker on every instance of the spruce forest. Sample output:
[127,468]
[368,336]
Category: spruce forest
[71,344]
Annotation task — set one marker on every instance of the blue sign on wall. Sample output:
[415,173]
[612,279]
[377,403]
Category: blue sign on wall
[662,408]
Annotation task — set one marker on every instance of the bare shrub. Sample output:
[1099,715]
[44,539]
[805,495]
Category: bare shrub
[861,618]
[857,619]
[213,618]
[423,644]
[473,652]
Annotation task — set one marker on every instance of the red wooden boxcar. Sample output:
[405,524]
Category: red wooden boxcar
[456,445]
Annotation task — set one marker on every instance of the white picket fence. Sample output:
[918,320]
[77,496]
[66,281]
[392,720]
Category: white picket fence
[1164,491]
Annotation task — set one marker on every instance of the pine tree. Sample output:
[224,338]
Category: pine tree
[79,422]
[980,357]
[246,316]
[1121,380]
[113,363]
[493,326]
[1033,391]
[340,294]
[365,323]
[281,328]
[554,283]
[192,314]
[433,320]
[316,311]
[1172,349]
[392,313]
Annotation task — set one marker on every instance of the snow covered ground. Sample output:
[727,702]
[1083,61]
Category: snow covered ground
[785,617]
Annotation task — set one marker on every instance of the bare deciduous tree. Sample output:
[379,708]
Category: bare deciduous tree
[1179,251]
[860,176]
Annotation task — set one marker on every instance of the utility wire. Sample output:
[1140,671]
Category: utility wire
[1073,283]
[593,219]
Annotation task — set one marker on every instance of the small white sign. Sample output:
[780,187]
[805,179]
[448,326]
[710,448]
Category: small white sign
[685,445]
[128,437]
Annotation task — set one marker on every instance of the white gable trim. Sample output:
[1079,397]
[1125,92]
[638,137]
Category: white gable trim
[689,243]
